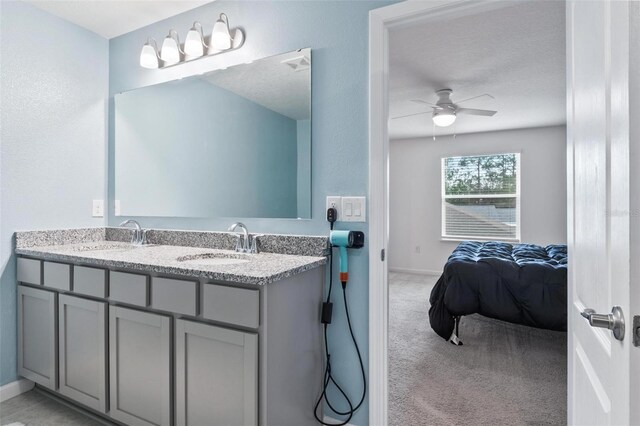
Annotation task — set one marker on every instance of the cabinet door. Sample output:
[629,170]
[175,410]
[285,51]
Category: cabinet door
[37,319]
[82,351]
[216,375]
[139,367]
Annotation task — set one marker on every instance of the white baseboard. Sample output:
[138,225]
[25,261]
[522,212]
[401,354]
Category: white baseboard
[328,419]
[12,389]
[416,271]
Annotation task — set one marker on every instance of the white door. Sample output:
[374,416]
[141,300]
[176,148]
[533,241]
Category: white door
[601,227]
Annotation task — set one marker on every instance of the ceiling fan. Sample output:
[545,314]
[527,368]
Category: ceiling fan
[445,111]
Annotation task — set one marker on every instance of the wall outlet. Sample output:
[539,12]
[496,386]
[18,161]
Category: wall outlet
[98,208]
[418,249]
[354,209]
[116,208]
[336,203]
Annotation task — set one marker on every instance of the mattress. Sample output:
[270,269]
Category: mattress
[519,283]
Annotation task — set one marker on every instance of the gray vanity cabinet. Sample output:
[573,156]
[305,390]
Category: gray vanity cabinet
[139,367]
[82,350]
[216,375]
[143,349]
[37,350]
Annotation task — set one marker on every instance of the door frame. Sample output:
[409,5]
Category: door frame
[380,21]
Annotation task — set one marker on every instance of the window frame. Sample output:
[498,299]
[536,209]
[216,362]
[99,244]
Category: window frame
[443,197]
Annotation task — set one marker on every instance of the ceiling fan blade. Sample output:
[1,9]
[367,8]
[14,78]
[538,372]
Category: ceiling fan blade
[476,97]
[411,115]
[472,111]
[420,101]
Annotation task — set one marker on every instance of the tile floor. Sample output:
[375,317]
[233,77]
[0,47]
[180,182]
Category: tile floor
[37,408]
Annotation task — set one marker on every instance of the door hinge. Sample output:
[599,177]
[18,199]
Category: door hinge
[636,330]
[382,255]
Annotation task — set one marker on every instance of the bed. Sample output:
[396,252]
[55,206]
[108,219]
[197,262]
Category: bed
[519,283]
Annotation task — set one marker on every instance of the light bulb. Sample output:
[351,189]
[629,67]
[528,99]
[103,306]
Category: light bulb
[170,52]
[149,55]
[194,44]
[220,36]
[444,118]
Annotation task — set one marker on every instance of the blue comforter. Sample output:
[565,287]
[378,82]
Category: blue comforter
[520,283]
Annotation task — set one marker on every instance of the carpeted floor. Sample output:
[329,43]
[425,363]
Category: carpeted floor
[504,374]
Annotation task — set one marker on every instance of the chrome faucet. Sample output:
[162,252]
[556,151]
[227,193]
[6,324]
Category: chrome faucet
[139,235]
[242,245]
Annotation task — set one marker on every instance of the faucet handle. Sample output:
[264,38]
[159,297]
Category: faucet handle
[143,236]
[254,243]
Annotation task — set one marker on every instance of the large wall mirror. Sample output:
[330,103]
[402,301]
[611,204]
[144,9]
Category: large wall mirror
[229,143]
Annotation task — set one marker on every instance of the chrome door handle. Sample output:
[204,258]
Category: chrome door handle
[613,321]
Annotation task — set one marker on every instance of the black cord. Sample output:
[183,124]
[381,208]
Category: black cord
[328,377]
[355,343]
[330,273]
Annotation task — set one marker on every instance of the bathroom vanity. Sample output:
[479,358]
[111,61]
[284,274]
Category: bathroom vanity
[182,331]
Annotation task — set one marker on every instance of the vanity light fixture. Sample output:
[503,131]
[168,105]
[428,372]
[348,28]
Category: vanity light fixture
[171,52]
[149,57]
[194,45]
[223,39]
[444,117]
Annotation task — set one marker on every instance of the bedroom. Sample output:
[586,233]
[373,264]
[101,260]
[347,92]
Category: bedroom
[484,177]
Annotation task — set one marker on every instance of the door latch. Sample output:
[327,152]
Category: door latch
[636,331]
[382,255]
[613,321]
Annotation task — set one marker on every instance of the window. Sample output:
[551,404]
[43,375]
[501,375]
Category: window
[481,197]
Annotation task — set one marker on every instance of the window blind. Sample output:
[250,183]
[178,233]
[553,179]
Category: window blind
[481,197]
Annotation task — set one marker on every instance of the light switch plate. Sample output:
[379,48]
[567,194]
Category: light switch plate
[116,208]
[336,203]
[98,208]
[354,209]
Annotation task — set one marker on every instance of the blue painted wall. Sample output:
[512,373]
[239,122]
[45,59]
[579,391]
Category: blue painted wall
[304,168]
[53,89]
[337,33]
[178,141]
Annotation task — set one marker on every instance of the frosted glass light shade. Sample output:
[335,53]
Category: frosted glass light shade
[149,55]
[444,118]
[220,36]
[194,45]
[170,52]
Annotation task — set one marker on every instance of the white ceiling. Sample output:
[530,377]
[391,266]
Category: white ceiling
[271,83]
[111,18]
[515,52]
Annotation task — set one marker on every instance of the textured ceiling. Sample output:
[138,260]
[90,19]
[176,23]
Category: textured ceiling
[271,83]
[515,52]
[111,18]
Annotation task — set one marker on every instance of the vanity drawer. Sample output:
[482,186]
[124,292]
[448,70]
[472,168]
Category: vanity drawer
[173,295]
[57,275]
[128,288]
[232,305]
[29,271]
[90,281]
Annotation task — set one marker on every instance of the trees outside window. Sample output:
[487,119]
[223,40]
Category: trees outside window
[481,197]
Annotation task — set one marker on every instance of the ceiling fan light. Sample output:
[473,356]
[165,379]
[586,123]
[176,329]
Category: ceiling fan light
[220,36]
[444,118]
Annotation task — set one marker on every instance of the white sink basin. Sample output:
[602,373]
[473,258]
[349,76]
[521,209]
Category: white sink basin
[214,259]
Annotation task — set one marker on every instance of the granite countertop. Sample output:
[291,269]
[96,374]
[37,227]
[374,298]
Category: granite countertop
[258,269]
